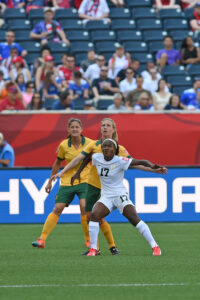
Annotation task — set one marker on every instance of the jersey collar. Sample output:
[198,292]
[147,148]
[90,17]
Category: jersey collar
[98,142]
[82,141]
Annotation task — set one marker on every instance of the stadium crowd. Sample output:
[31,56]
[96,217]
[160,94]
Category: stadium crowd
[99,80]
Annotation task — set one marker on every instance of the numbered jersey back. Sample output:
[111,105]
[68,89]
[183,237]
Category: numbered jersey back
[111,173]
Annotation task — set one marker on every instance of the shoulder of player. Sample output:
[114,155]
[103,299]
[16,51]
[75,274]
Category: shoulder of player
[123,151]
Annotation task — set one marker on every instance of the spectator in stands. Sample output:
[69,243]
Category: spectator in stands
[7,154]
[146,73]
[190,97]
[195,21]
[2,8]
[34,4]
[10,42]
[119,61]
[189,53]
[64,103]
[185,4]
[45,51]
[94,10]
[104,87]
[8,62]
[28,94]
[168,55]
[52,86]
[68,67]
[89,105]
[151,84]
[59,3]
[93,71]
[2,82]
[90,60]
[133,96]
[144,102]
[43,69]
[78,88]
[3,69]
[134,65]
[19,68]
[15,3]
[20,82]
[118,103]
[49,30]
[161,97]
[174,103]
[162,4]
[13,100]
[129,83]
[36,102]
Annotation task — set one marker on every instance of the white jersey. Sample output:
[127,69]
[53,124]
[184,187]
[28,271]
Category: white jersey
[111,174]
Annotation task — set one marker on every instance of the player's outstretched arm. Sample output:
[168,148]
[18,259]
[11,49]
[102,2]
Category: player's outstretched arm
[84,163]
[68,167]
[162,170]
[146,165]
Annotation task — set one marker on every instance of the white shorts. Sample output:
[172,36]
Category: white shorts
[116,202]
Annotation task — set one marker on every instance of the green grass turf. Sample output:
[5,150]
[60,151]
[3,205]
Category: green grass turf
[61,267]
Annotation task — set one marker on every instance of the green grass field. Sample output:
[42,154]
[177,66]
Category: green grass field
[60,272]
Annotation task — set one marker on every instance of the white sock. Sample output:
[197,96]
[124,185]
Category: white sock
[94,231]
[143,228]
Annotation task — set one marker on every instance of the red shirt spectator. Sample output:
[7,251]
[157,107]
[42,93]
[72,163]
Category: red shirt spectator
[68,67]
[12,102]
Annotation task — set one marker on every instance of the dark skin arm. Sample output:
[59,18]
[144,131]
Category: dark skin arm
[146,165]
[84,163]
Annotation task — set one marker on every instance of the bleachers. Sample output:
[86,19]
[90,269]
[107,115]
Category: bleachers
[137,26]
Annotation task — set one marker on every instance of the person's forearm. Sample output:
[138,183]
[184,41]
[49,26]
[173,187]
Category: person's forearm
[72,164]
[4,162]
[56,167]
[142,162]
[143,168]
[83,16]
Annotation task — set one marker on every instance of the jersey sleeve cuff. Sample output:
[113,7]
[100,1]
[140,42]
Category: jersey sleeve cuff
[84,153]
[60,158]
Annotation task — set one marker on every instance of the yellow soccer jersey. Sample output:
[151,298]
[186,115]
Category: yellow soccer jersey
[67,152]
[95,147]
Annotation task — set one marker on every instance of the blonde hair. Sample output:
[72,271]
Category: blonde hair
[114,135]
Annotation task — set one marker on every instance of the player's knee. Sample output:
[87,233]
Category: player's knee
[57,211]
[95,217]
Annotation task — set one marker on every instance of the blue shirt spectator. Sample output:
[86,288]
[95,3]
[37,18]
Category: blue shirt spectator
[7,155]
[10,43]
[65,102]
[189,97]
[78,88]
[14,3]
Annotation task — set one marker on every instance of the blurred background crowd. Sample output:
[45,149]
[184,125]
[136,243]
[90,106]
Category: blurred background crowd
[123,55]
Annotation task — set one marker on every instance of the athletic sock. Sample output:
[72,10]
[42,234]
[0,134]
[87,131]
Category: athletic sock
[94,231]
[106,229]
[143,228]
[85,227]
[49,225]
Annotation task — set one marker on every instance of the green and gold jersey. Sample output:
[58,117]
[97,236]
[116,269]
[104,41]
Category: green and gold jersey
[67,152]
[95,147]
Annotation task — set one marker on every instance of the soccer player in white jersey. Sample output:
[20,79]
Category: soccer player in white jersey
[110,168]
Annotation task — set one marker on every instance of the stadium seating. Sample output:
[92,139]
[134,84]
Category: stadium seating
[103,104]
[180,80]
[71,24]
[69,13]
[97,25]
[31,46]
[102,47]
[173,70]
[179,24]
[123,24]
[119,13]
[103,35]
[179,35]
[14,13]
[171,13]
[154,35]
[78,104]
[58,47]
[135,46]
[155,46]
[19,24]
[78,47]
[144,12]
[194,70]
[128,35]
[138,3]
[2,35]
[78,35]
[48,103]
[179,90]
[149,24]
[22,35]
[35,14]
[144,58]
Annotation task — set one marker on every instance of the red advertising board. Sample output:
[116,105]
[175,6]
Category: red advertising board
[169,139]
